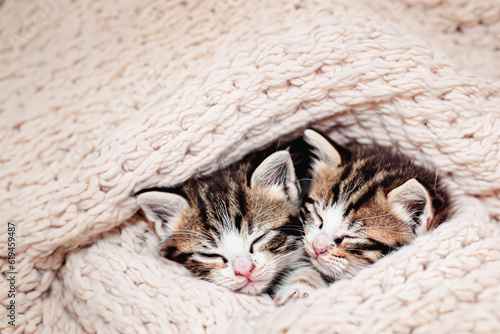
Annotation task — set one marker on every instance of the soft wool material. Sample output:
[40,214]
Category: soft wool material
[99,100]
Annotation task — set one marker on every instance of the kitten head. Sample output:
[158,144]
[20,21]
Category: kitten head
[236,228]
[364,203]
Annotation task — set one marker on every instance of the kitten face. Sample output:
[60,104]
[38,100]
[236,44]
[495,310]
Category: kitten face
[244,259]
[361,209]
[341,240]
[235,233]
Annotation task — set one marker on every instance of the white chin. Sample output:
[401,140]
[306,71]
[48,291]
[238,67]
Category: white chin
[254,288]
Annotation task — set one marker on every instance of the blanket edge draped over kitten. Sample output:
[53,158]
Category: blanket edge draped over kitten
[99,100]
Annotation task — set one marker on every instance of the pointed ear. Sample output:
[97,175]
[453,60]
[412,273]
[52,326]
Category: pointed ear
[162,209]
[323,149]
[277,174]
[412,202]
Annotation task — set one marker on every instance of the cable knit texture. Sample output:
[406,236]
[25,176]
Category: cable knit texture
[99,99]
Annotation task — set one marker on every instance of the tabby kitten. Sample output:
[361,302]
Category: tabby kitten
[363,203]
[237,228]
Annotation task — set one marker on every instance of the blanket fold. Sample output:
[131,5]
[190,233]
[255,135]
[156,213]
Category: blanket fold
[100,100]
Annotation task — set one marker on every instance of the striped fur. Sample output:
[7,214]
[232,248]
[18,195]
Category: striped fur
[364,204]
[238,227]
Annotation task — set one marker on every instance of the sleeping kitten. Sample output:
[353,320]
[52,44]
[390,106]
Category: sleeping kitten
[363,203]
[237,228]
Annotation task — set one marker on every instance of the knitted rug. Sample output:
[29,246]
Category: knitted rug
[99,99]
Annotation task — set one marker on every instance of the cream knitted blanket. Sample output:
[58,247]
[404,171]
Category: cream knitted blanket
[99,99]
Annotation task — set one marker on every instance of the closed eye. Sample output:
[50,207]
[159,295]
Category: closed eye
[256,241]
[213,256]
[339,240]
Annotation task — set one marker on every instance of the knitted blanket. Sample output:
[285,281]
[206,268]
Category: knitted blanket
[99,99]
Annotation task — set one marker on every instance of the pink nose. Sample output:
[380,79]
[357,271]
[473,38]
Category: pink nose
[243,266]
[320,244]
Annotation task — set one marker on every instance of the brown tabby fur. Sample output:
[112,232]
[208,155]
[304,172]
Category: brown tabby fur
[252,211]
[227,218]
[369,228]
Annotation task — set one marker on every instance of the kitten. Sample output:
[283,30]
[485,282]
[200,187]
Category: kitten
[237,228]
[363,203]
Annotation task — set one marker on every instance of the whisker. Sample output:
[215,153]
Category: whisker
[383,228]
[187,237]
[253,220]
[241,214]
[275,261]
[272,219]
[320,187]
[192,231]
[224,213]
[388,214]
[361,249]
[285,256]
[189,232]
[193,236]
[352,189]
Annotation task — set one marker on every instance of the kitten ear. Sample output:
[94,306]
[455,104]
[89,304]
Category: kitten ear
[323,149]
[162,209]
[277,174]
[412,202]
